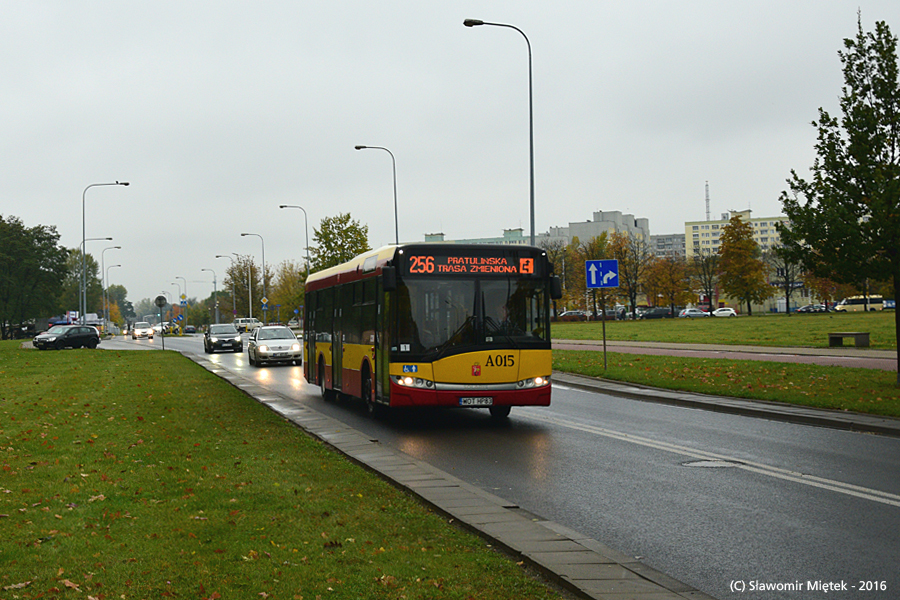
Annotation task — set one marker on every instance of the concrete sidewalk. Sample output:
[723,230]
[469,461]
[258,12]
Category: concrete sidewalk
[843,351]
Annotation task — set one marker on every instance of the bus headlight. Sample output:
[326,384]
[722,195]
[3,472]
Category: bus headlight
[533,383]
[416,382]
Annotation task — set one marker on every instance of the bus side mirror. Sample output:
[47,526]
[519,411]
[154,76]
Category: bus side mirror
[389,278]
[555,288]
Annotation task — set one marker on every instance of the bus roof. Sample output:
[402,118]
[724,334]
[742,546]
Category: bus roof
[353,269]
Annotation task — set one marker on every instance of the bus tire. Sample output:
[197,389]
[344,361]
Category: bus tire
[500,412]
[372,409]
[326,393]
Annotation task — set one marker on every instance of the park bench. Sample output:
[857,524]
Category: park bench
[860,339]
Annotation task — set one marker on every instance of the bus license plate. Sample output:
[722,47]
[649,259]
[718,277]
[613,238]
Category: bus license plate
[479,401]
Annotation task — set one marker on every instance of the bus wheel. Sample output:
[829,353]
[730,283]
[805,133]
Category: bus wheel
[499,412]
[326,393]
[372,409]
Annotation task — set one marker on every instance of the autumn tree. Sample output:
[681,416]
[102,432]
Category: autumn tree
[289,289]
[118,295]
[704,272]
[667,279]
[634,255]
[743,272]
[844,223]
[556,254]
[338,240]
[577,254]
[244,278]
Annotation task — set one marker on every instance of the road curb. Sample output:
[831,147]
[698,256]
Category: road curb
[580,565]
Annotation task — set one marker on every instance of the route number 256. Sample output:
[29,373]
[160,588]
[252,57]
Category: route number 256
[421,264]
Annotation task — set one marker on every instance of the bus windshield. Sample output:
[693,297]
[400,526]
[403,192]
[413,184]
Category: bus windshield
[439,317]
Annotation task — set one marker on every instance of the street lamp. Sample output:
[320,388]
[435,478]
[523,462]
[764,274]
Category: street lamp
[215,292]
[103,272]
[83,240]
[306,226]
[265,297]
[233,306]
[394,163]
[83,294]
[106,303]
[476,23]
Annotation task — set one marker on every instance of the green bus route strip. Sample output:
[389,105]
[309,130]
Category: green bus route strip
[583,566]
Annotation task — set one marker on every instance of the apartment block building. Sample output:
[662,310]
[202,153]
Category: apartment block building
[705,236]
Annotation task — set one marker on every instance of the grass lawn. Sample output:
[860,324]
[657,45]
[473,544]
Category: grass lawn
[840,388]
[141,475]
[803,330]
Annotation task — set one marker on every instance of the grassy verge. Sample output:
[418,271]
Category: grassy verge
[861,390]
[803,330]
[141,475]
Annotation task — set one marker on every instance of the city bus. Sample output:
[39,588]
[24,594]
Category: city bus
[859,304]
[418,325]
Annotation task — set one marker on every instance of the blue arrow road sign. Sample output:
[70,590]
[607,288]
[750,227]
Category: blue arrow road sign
[602,273]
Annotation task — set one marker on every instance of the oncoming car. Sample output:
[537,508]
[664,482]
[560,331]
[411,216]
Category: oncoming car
[222,337]
[273,343]
[67,336]
[142,329]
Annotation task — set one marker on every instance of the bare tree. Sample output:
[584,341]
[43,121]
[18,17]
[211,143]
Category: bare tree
[785,273]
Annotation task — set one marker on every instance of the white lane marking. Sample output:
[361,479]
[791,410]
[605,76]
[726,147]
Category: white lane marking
[762,469]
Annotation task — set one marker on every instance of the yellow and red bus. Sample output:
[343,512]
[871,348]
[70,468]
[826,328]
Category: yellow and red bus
[420,325]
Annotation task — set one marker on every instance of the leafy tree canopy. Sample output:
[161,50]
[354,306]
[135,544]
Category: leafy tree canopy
[32,267]
[338,240]
[845,220]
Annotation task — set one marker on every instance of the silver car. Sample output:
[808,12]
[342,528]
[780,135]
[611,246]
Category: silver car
[273,343]
[141,329]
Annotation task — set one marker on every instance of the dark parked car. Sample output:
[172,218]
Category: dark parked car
[812,308]
[67,336]
[222,337]
[273,344]
[657,313]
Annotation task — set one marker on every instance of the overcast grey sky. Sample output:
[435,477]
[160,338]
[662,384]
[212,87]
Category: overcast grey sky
[217,112]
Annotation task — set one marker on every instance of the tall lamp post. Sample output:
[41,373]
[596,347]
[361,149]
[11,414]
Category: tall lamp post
[476,23]
[215,292]
[306,226]
[394,164]
[265,297]
[83,240]
[105,295]
[233,306]
[82,306]
[106,300]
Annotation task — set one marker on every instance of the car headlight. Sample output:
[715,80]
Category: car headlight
[263,348]
[237,338]
[214,339]
[295,348]
[51,339]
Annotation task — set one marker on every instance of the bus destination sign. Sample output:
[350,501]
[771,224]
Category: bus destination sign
[435,264]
